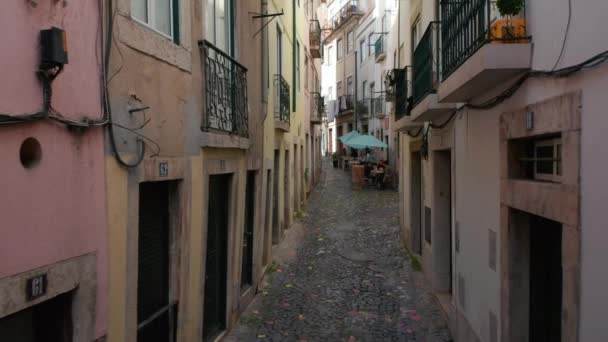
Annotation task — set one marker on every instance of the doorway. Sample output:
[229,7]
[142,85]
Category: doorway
[287,192]
[276,223]
[545,280]
[247,262]
[49,321]
[297,177]
[268,219]
[416,202]
[214,320]
[536,260]
[303,180]
[156,315]
[442,220]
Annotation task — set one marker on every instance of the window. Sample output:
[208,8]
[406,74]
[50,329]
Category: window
[364,84]
[362,50]
[305,71]
[279,51]
[220,26]
[156,14]
[370,45]
[339,89]
[383,24]
[371,89]
[340,49]
[329,55]
[548,159]
[351,41]
[416,33]
[536,158]
[330,95]
[298,65]
[349,85]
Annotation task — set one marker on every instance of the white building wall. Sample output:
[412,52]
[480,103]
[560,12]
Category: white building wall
[476,162]
[477,187]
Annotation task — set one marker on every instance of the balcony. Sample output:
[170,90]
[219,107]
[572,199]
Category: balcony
[349,10]
[315,39]
[363,109]
[479,48]
[397,91]
[317,108]
[379,49]
[346,105]
[282,112]
[425,72]
[226,109]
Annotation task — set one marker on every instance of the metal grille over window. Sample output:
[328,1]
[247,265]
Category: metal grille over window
[281,108]
[226,92]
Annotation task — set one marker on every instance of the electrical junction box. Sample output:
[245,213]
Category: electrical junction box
[53,48]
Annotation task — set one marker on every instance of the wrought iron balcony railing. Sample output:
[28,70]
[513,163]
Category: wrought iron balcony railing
[315,39]
[345,104]
[281,107]
[349,9]
[426,63]
[389,84]
[317,107]
[398,91]
[363,108]
[467,25]
[226,108]
[379,48]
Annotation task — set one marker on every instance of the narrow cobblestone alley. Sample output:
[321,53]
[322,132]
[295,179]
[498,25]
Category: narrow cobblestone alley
[340,275]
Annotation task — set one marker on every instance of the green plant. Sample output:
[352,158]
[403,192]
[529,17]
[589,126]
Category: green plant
[299,214]
[415,263]
[510,7]
[334,156]
[272,268]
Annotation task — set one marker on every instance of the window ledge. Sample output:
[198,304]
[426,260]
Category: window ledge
[150,42]
[218,140]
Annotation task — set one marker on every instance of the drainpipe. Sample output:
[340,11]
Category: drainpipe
[356,112]
[398,64]
[294,57]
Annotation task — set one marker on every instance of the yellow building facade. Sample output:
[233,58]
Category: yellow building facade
[199,165]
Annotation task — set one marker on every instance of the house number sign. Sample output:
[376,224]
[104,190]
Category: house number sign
[36,286]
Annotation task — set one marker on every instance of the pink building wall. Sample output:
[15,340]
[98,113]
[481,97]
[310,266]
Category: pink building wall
[55,210]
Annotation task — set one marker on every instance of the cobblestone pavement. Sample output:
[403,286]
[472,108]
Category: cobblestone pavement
[344,277]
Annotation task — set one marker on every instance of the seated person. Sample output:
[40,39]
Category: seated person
[379,172]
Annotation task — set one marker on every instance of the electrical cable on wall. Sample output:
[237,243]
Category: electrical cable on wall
[47,73]
[509,92]
[561,53]
[108,108]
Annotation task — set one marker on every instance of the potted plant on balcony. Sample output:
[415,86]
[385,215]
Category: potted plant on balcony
[510,9]
[334,159]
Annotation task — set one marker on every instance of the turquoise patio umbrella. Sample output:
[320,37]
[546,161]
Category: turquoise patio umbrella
[363,141]
[350,135]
